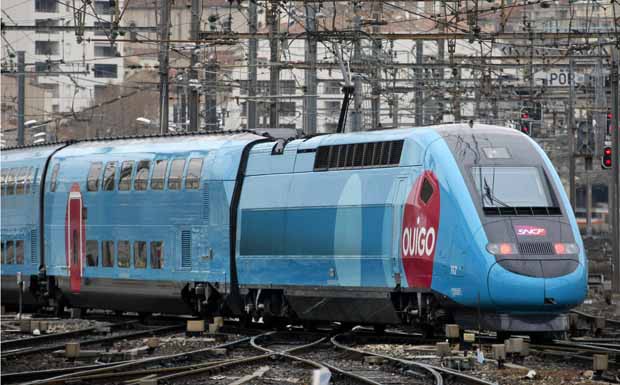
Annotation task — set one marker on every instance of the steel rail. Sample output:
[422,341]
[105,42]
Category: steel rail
[436,369]
[89,374]
[26,342]
[319,365]
[93,341]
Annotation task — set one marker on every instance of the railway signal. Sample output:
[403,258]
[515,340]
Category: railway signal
[609,120]
[606,159]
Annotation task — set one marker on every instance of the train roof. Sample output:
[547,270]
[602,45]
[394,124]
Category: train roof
[21,154]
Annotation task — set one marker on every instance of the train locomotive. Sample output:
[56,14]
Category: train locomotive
[460,223]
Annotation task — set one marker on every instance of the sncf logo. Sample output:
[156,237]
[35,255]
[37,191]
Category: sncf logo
[531,231]
[418,241]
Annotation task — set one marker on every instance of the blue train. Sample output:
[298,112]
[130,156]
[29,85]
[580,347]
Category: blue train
[460,223]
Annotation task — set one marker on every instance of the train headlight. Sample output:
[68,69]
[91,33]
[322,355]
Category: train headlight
[502,248]
[566,248]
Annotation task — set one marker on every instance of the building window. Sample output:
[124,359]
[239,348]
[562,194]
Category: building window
[92,253]
[19,252]
[41,25]
[107,249]
[54,180]
[46,6]
[157,254]
[105,70]
[287,87]
[176,174]
[52,90]
[332,107]
[287,108]
[159,172]
[10,253]
[109,176]
[92,183]
[103,28]
[124,183]
[123,254]
[194,171]
[139,254]
[106,51]
[104,7]
[46,47]
[331,88]
[142,175]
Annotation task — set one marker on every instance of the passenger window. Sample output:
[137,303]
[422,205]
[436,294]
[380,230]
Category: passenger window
[142,175]
[194,171]
[92,253]
[139,254]
[20,180]
[10,183]
[2,252]
[176,174]
[19,252]
[92,182]
[29,179]
[123,254]
[10,253]
[124,183]
[54,179]
[3,174]
[107,249]
[157,181]
[109,176]
[157,254]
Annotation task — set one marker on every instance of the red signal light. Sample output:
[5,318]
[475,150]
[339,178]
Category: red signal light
[606,159]
[525,116]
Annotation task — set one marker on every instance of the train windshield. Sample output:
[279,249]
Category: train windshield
[512,187]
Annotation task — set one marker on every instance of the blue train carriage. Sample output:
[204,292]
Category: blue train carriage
[417,226]
[141,224]
[22,173]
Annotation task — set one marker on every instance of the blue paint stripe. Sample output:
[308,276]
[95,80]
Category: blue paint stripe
[311,231]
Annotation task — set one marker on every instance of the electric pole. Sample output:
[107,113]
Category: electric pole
[419,84]
[614,191]
[274,65]
[211,95]
[164,32]
[375,102]
[356,116]
[310,81]
[252,70]
[571,135]
[21,96]
[194,98]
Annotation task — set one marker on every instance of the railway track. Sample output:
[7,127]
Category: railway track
[49,345]
[163,365]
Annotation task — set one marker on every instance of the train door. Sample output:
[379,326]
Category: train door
[402,184]
[74,235]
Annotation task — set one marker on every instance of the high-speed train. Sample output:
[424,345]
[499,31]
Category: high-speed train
[459,223]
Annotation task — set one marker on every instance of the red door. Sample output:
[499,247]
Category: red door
[75,237]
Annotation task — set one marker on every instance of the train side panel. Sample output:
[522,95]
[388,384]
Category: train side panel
[22,171]
[143,246]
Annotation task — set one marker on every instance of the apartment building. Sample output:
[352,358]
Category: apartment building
[73,72]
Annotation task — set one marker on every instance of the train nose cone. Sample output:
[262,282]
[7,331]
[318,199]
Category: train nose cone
[515,291]
[523,292]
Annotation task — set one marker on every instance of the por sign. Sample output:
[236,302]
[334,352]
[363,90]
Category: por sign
[420,231]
